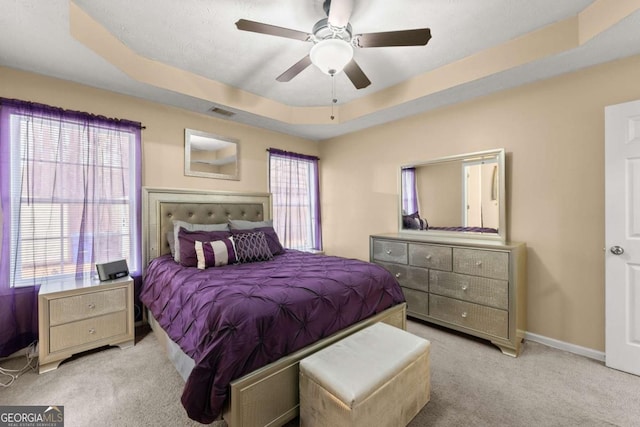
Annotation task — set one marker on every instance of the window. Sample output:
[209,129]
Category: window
[72,190]
[294,185]
[409,191]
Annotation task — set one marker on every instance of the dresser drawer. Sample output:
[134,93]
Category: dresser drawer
[476,289]
[387,250]
[416,278]
[399,271]
[477,262]
[69,309]
[417,302]
[430,256]
[491,321]
[86,331]
[410,277]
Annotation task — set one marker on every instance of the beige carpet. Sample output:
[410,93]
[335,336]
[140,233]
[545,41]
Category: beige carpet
[473,384]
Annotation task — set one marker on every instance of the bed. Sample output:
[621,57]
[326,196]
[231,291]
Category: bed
[262,386]
[466,229]
[415,222]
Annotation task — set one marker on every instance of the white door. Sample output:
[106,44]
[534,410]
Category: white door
[472,207]
[622,236]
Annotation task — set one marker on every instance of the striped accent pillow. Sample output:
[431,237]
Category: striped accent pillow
[216,253]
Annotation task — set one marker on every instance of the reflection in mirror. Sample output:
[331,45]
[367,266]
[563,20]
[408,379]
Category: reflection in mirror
[209,155]
[458,196]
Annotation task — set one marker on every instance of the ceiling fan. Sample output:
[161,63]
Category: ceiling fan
[333,42]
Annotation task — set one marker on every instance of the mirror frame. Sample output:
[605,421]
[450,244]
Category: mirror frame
[442,235]
[188,134]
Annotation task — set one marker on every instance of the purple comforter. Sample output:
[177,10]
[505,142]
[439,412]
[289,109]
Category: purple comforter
[472,229]
[234,319]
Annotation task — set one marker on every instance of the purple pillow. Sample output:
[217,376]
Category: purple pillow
[251,247]
[188,256]
[215,254]
[270,234]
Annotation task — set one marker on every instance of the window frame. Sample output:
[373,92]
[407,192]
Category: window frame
[312,185]
[129,233]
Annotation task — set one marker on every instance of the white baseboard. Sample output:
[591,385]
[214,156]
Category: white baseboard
[565,346]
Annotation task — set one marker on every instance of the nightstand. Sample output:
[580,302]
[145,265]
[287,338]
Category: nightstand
[76,315]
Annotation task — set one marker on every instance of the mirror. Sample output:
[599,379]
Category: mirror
[211,156]
[455,197]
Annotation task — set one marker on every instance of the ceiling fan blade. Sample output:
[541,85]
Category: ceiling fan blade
[417,37]
[295,69]
[356,75]
[340,12]
[272,30]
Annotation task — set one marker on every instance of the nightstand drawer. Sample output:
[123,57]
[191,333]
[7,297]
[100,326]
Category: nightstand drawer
[478,317]
[492,264]
[86,331]
[69,309]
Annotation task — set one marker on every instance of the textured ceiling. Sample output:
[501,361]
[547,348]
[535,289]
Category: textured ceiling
[200,37]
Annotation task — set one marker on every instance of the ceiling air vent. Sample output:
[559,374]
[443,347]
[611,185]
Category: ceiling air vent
[222,112]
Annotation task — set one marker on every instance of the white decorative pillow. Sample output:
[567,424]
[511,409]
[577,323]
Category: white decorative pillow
[172,243]
[216,253]
[240,224]
[192,227]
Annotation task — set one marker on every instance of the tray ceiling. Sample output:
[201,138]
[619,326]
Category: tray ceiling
[236,70]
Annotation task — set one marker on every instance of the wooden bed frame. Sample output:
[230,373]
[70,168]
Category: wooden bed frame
[269,395]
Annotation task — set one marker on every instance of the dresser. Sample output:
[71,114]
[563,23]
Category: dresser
[76,315]
[476,288]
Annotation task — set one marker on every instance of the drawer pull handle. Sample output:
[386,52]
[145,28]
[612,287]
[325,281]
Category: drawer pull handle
[388,252]
[398,275]
[428,257]
[92,306]
[465,287]
[478,263]
[92,331]
[464,314]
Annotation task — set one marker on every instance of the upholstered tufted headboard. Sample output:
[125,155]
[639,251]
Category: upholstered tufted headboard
[160,206]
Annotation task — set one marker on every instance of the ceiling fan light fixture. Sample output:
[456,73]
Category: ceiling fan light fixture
[331,55]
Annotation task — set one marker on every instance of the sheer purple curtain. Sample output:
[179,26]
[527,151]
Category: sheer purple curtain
[70,193]
[409,191]
[295,187]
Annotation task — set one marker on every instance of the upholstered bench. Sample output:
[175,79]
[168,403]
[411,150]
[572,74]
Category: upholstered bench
[378,376]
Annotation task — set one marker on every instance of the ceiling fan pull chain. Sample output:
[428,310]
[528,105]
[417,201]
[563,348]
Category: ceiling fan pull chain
[334,100]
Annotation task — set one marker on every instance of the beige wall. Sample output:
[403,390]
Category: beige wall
[439,188]
[553,132]
[163,138]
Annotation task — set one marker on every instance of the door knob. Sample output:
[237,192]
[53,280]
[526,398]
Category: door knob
[617,250]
